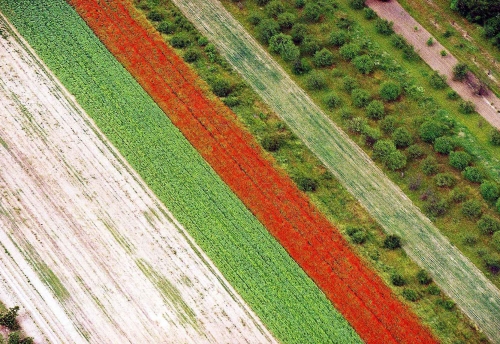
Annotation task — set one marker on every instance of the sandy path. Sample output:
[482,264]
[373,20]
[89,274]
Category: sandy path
[90,254]
[487,105]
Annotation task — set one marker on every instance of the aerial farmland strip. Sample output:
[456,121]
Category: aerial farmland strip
[115,260]
[456,275]
[260,270]
[318,247]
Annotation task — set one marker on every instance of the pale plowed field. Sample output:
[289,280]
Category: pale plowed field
[87,251]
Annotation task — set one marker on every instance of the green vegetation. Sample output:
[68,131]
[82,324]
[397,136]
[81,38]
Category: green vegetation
[251,260]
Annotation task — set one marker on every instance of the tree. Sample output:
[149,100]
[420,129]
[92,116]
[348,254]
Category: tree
[390,91]
[301,66]
[494,137]
[333,101]
[338,38]
[357,234]
[437,81]
[495,240]
[444,145]
[460,71]
[415,151]
[262,2]
[460,160]
[155,16]
[312,12]
[8,318]
[364,64]
[392,242]
[310,45]
[316,81]
[286,20]
[382,149]
[423,277]
[489,191]
[411,295]
[375,110]
[396,161]
[323,58]
[166,27]
[349,84]
[443,180]
[398,280]
[472,209]
[266,29]
[299,3]
[283,45]
[429,166]
[180,40]
[191,55]
[402,137]
[275,8]
[221,87]
[369,14]
[472,174]
[272,143]
[357,4]
[488,225]
[307,184]
[388,124]
[430,130]
[360,98]
[466,107]
[349,51]
[371,135]
[384,27]
[298,32]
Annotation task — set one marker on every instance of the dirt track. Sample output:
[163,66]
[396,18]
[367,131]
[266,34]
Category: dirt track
[87,251]
[487,106]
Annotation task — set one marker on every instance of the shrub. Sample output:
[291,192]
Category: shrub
[382,149]
[298,32]
[458,195]
[344,23]
[299,3]
[466,107]
[364,64]
[497,205]
[286,20]
[411,295]
[398,41]
[415,182]
[357,125]
[338,38]
[349,51]
[349,84]
[316,81]
[166,27]
[392,242]
[191,55]
[345,113]
[446,304]
[444,145]
[460,71]
[333,101]
[323,58]
[470,240]
[357,234]
[301,66]
[494,137]
[402,138]
[262,2]
[396,161]
[371,135]
[254,19]
[274,8]
[369,14]
[430,42]
[443,53]
[266,29]
[307,184]
[375,109]
[436,206]
[433,290]
[398,280]
[309,45]
[489,191]
[180,40]
[155,16]
[415,151]
[429,166]
[423,277]
[452,95]
[202,41]
[283,45]
[488,225]
[360,98]
[472,174]
[495,240]
[445,180]
[357,4]
[409,53]
[390,91]
[272,143]
[492,262]
[384,27]
[8,318]
[460,160]
[430,130]
[472,209]
[221,87]
[312,12]
[388,124]
[437,81]
[231,101]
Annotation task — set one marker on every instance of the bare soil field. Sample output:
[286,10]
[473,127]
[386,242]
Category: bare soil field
[88,252]
[487,105]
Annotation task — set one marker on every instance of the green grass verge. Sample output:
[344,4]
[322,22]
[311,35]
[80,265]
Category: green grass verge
[286,300]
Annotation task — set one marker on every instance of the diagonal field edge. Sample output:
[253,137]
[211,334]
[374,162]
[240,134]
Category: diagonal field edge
[453,272]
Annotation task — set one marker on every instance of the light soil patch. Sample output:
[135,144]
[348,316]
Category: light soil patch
[75,221]
[488,105]
[453,272]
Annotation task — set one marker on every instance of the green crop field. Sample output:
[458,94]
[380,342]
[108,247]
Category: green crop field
[286,300]
[456,275]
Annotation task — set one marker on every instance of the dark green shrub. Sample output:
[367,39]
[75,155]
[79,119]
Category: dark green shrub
[492,262]
[307,184]
[382,149]
[423,277]
[392,242]
[433,290]
[202,41]
[437,81]
[452,95]
[371,135]
[155,16]
[470,240]
[436,207]
[349,51]
[357,234]
[274,8]
[495,240]
[272,143]
[375,110]
[283,45]
[369,14]
[254,19]
[316,81]
[497,205]
[429,166]
[444,145]
[166,27]
[286,20]
[344,23]
[388,124]
[494,137]
[472,209]
[390,91]
[180,40]
[349,84]
[357,4]
[191,55]
[333,101]
[8,318]
[430,130]
[345,114]
[398,41]
[395,161]
[460,160]
[231,101]
[384,27]
[445,180]
[299,3]
[221,87]
[411,295]
[323,58]
[415,151]
[266,29]
[357,125]
[402,138]
[398,280]
[262,2]
[298,32]
[364,64]
[460,71]
[301,66]
[309,45]
[415,182]
[446,304]
[472,174]
[312,12]
[409,53]
[458,195]
[466,107]
[338,38]
[360,98]
[490,191]
[488,225]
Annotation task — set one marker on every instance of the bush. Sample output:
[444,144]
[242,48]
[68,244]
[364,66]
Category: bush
[8,318]
[492,262]
[364,64]
[423,277]
[323,58]
[402,138]
[360,98]
[307,184]
[460,71]
[333,101]
[371,135]
[180,40]
[301,66]
[262,2]
[369,14]
[452,95]
[415,151]
[155,16]
[298,32]
[349,84]
[388,124]
[398,280]
[384,27]
[166,27]
[357,234]
[445,180]
[444,145]
[375,110]
[345,114]
[349,51]
[430,130]
[459,160]
[489,191]
[274,8]
[495,240]
[309,45]
[472,209]
[254,19]
[430,42]
[488,225]
[429,166]
[221,87]
[437,81]
[357,4]
[390,91]
[396,161]
[494,137]
[299,3]
[338,38]
[433,290]
[272,143]
[436,206]
[283,45]
[466,107]
[231,101]
[312,12]
[392,242]
[472,174]
[411,295]
[266,29]
[316,81]
[191,55]
[398,42]
[382,149]
[446,304]
[497,205]
[470,240]
[357,125]
[286,20]
[458,195]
